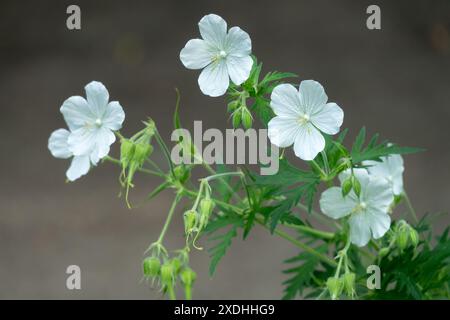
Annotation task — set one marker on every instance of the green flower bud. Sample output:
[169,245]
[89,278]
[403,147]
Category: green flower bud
[349,283]
[126,152]
[151,266]
[167,274]
[188,276]
[247,118]
[356,186]
[414,236]
[142,152]
[206,206]
[176,264]
[335,286]
[383,252]
[347,187]
[402,238]
[181,173]
[233,105]
[236,119]
[190,219]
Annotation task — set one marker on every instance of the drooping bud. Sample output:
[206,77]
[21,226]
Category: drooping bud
[206,206]
[236,118]
[247,118]
[167,274]
[188,276]
[142,152]
[347,186]
[414,236]
[233,105]
[383,252]
[151,266]
[349,283]
[335,286]
[190,219]
[176,264]
[126,152]
[402,238]
[356,186]
[181,173]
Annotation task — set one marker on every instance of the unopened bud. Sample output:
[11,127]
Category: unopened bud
[188,276]
[126,152]
[181,173]
[383,252]
[142,152]
[349,283]
[356,186]
[402,238]
[346,187]
[414,236]
[151,266]
[335,286]
[236,119]
[190,218]
[206,206]
[167,275]
[176,264]
[233,105]
[247,119]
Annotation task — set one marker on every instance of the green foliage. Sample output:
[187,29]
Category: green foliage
[222,241]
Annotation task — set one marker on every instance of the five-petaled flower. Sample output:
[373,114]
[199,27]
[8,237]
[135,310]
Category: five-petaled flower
[222,55]
[301,115]
[91,122]
[391,169]
[368,213]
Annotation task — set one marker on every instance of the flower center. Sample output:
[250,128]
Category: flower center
[98,122]
[219,56]
[304,118]
[360,207]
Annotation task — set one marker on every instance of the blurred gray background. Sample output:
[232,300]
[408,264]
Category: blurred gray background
[395,81]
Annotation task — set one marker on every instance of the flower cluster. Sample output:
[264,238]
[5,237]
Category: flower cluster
[92,122]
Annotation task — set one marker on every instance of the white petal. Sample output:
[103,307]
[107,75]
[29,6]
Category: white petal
[196,54]
[334,205]
[77,113]
[114,116]
[282,131]
[285,101]
[79,167]
[214,80]
[359,229]
[104,138]
[239,68]
[391,168]
[378,194]
[238,43]
[97,96]
[312,95]
[82,141]
[380,222]
[308,143]
[328,118]
[213,29]
[57,144]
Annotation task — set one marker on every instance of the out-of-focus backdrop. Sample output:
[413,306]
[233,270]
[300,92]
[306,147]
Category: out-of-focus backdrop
[395,81]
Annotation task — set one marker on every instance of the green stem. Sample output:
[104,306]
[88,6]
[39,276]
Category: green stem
[213,172]
[316,165]
[311,231]
[117,161]
[171,292]
[165,151]
[325,162]
[220,175]
[169,218]
[410,207]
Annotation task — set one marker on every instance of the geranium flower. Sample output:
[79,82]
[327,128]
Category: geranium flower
[368,213]
[301,115]
[59,148]
[390,169]
[221,55]
[92,122]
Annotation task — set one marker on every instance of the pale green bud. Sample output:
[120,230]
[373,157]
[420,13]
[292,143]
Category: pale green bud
[176,264]
[151,266]
[142,152]
[335,286]
[181,173]
[190,219]
[349,283]
[356,186]
[206,206]
[402,238]
[167,274]
[414,236]
[233,105]
[188,276]
[347,187]
[247,119]
[236,119]
[383,252]
[126,152]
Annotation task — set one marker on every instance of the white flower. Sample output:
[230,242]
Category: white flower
[301,116]
[59,148]
[222,55]
[91,122]
[368,214]
[390,169]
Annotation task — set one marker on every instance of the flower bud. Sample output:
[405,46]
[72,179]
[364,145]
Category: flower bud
[346,187]
[246,118]
[383,252]
[335,286]
[181,173]
[167,274]
[236,119]
[349,283]
[142,152]
[176,264]
[151,266]
[126,152]
[190,219]
[206,206]
[402,238]
[233,105]
[356,186]
[188,276]
[414,236]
